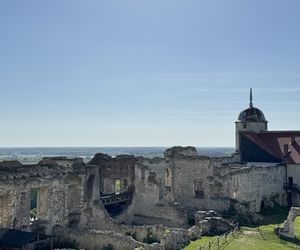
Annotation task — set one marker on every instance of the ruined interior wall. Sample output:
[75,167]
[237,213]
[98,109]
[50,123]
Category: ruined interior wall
[59,194]
[19,206]
[42,202]
[94,211]
[200,183]
[111,169]
[5,205]
[75,202]
[149,205]
[155,171]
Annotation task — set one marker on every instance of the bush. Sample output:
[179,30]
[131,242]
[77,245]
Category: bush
[132,234]
[150,238]
[167,232]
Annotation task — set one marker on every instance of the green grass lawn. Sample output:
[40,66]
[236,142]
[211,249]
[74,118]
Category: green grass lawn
[201,242]
[254,238]
[297,227]
[251,239]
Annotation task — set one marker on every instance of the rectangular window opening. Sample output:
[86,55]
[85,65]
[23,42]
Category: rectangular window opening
[117,186]
[33,205]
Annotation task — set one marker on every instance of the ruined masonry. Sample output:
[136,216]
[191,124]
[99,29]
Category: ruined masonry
[121,200]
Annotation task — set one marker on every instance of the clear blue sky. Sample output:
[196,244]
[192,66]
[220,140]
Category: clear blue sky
[145,73]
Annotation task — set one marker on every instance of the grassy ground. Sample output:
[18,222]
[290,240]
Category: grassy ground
[297,227]
[201,242]
[257,238]
[263,238]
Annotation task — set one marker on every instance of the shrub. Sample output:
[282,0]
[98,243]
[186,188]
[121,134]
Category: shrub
[150,237]
[132,234]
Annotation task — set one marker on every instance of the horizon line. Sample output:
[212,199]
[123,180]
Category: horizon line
[6,147]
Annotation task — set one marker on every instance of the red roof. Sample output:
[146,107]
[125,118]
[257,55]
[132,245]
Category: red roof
[273,142]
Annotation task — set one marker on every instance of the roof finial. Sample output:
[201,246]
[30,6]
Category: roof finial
[251,103]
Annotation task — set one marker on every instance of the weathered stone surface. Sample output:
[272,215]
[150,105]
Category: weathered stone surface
[175,239]
[194,233]
[211,223]
[121,168]
[94,239]
[165,191]
[181,151]
[288,229]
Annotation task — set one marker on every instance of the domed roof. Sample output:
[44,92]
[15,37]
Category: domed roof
[252,114]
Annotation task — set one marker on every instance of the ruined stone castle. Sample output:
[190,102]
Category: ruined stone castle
[116,194]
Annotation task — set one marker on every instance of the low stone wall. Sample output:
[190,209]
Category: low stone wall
[211,223]
[96,239]
[108,231]
[174,239]
[106,223]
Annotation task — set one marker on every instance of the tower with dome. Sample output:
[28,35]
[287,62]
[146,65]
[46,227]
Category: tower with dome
[251,119]
[255,143]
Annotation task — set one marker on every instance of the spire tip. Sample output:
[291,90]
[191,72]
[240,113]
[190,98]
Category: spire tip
[251,103]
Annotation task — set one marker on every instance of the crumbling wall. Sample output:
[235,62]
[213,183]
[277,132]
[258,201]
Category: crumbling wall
[166,189]
[156,238]
[184,182]
[96,239]
[150,204]
[252,183]
[111,169]
[212,223]
[5,204]
[204,183]
[192,180]
[58,190]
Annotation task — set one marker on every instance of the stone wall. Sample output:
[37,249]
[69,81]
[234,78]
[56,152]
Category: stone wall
[184,182]
[252,183]
[150,204]
[119,168]
[293,170]
[96,239]
[214,183]
[59,193]
[162,238]
[166,190]
[191,183]
[192,180]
